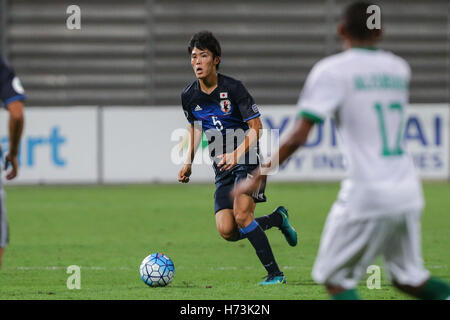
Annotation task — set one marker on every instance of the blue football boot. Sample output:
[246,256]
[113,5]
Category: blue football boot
[273,279]
[288,231]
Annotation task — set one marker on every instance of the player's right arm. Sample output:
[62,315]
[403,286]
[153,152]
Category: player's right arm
[16,121]
[195,137]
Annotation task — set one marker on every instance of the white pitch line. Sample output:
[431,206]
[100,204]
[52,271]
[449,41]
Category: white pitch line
[26,268]
[64,268]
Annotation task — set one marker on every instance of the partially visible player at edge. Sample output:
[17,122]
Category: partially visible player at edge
[12,96]
[221,104]
[378,209]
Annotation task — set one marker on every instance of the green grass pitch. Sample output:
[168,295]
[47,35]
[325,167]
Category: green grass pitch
[108,230]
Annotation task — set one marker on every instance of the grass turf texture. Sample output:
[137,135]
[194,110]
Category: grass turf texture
[108,230]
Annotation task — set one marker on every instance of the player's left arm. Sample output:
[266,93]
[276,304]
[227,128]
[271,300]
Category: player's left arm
[253,135]
[12,95]
[229,160]
[16,123]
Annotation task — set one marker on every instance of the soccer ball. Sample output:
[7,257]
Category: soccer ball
[157,270]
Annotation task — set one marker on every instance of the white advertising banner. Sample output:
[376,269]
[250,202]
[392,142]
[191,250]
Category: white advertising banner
[426,134]
[58,145]
[148,144]
[319,159]
[137,143]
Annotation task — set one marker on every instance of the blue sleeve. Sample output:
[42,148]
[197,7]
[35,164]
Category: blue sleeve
[245,102]
[10,87]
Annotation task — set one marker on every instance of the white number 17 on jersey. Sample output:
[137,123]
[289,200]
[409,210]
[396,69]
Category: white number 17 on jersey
[389,150]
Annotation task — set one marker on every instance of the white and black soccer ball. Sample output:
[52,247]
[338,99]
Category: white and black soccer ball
[157,270]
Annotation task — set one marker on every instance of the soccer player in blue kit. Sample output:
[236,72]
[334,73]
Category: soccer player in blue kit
[12,96]
[222,108]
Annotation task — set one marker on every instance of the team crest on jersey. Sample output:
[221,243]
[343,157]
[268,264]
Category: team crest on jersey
[225,106]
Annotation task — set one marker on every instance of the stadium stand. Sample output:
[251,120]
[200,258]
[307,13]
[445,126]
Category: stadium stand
[134,52]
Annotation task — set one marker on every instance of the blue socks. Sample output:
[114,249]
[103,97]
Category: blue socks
[244,231]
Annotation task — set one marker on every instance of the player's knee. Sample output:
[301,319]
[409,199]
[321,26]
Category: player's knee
[232,236]
[228,232]
[242,218]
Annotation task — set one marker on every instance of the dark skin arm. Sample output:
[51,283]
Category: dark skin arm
[295,140]
[16,122]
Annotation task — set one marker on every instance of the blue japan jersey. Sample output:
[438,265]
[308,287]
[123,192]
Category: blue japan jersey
[222,114]
[10,87]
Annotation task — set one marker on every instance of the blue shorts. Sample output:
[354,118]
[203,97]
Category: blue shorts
[225,183]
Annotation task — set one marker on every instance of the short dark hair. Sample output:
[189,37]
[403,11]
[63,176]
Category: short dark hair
[205,40]
[355,18]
